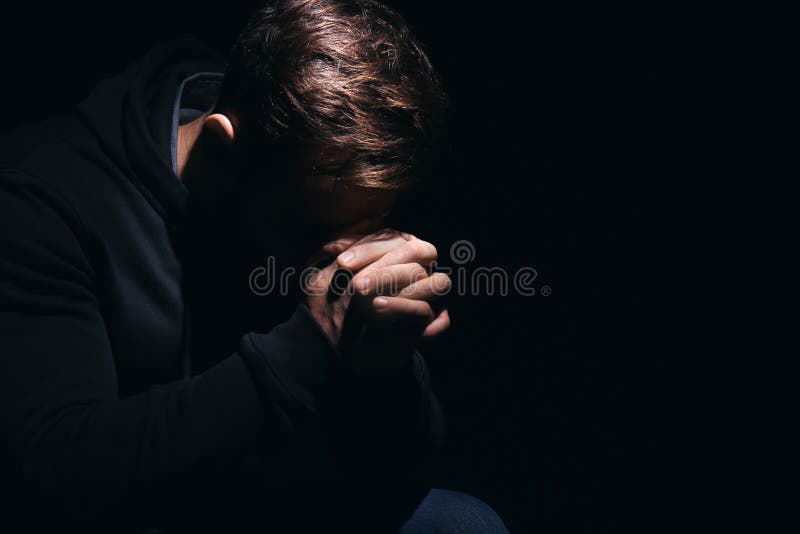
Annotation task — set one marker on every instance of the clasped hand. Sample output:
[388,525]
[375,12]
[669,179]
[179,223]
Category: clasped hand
[378,299]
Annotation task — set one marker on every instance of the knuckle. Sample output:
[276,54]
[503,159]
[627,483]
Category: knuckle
[418,272]
[430,250]
[387,232]
[440,284]
[422,249]
[441,279]
[408,291]
[416,248]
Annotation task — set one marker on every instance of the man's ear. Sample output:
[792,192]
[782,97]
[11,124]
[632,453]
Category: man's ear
[220,128]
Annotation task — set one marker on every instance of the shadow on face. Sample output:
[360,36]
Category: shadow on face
[272,206]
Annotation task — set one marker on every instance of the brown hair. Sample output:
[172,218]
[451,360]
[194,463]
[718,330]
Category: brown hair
[340,86]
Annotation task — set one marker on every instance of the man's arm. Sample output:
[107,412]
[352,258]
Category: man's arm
[383,418]
[67,435]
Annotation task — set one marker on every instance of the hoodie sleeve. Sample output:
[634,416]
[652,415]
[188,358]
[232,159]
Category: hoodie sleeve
[377,423]
[67,435]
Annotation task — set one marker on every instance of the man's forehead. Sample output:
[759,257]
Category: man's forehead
[344,205]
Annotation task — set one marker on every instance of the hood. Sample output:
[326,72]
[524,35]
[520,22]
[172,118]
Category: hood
[132,115]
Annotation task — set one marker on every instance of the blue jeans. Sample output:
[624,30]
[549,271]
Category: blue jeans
[323,509]
[451,512]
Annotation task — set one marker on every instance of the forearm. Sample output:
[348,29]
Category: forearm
[95,456]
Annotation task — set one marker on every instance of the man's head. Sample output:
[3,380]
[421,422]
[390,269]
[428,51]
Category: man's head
[329,100]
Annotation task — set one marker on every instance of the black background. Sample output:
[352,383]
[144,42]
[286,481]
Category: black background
[561,158]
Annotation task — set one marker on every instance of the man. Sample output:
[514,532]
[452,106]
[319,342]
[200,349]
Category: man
[139,389]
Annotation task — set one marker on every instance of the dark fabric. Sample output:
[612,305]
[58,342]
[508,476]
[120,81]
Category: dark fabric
[114,413]
[452,512]
[196,95]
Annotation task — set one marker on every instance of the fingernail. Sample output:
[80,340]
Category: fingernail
[380,302]
[347,257]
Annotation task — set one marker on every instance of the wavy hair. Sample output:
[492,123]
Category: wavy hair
[340,87]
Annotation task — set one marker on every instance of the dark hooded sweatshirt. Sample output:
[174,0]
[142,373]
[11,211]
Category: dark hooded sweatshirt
[107,420]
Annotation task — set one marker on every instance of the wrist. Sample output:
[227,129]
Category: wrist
[292,362]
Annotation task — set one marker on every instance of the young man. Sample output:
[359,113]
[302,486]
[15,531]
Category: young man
[137,392]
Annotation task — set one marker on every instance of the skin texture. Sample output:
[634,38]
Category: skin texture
[389,305]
